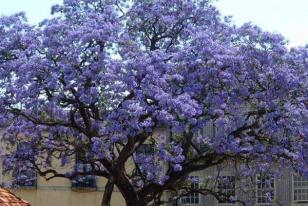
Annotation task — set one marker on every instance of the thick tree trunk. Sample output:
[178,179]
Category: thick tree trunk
[126,188]
[108,192]
[134,200]
[135,203]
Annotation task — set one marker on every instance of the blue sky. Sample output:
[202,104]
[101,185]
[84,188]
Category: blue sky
[288,17]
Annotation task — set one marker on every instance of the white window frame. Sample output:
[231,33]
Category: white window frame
[189,196]
[230,203]
[274,193]
[293,190]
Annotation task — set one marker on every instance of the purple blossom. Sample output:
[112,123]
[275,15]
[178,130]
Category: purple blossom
[102,78]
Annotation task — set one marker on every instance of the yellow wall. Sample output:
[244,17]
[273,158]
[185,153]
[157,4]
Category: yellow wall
[58,192]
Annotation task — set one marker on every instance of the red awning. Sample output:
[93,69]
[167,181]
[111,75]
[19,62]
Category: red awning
[9,199]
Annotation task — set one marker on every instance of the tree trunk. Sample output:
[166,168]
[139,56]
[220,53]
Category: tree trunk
[135,203]
[108,192]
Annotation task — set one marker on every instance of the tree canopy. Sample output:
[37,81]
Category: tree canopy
[101,77]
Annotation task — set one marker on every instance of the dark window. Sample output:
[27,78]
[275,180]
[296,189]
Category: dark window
[265,189]
[24,178]
[146,149]
[83,181]
[207,133]
[226,186]
[193,198]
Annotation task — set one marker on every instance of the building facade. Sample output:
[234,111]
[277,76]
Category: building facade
[288,190]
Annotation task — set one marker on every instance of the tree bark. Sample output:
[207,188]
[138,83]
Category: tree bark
[108,192]
[135,203]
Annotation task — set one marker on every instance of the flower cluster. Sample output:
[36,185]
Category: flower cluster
[102,77]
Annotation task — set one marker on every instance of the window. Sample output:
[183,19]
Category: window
[192,198]
[300,188]
[23,174]
[80,181]
[24,178]
[146,149]
[84,182]
[265,190]
[226,186]
[143,150]
[208,131]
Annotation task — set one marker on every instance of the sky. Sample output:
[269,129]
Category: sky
[287,17]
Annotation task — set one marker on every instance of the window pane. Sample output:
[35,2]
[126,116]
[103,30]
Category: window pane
[265,189]
[192,198]
[226,186]
[300,188]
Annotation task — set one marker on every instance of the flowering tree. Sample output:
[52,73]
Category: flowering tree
[101,76]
